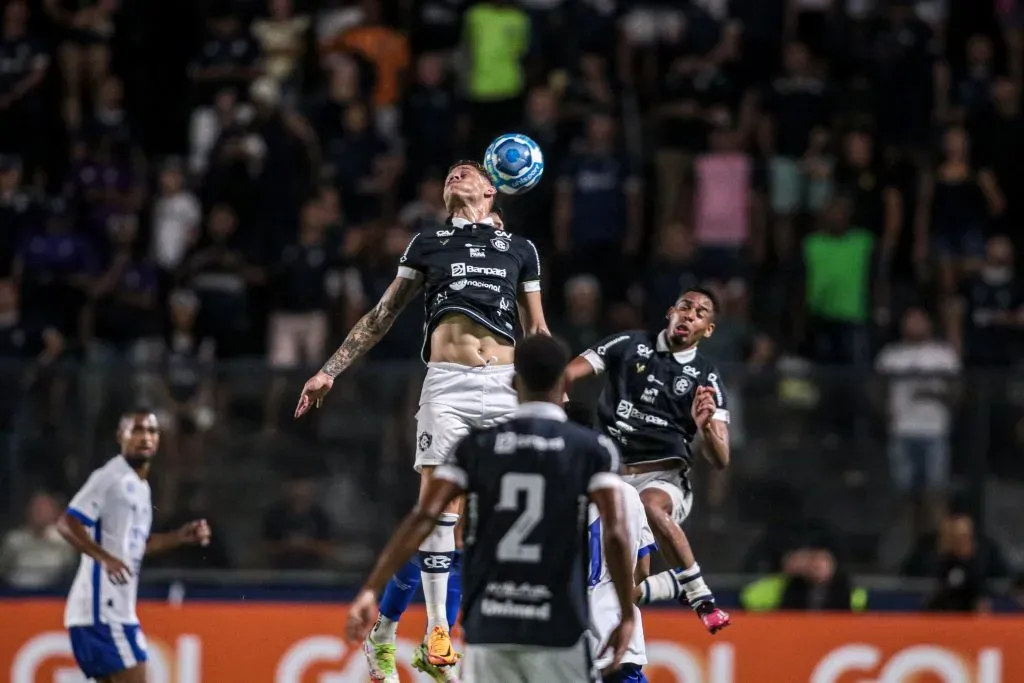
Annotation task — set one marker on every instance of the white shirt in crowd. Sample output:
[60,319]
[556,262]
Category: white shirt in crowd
[176,221]
[32,561]
[115,504]
[604,604]
[926,368]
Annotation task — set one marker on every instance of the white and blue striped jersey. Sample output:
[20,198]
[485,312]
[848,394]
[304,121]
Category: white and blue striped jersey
[116,506]
[604,603]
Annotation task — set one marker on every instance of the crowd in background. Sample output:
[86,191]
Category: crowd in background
[204,181]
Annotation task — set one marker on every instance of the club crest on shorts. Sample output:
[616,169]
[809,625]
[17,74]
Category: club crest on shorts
[424,440]
[499,244]
[681,385]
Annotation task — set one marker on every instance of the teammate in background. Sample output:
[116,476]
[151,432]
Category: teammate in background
[479,281]
[661,393]
[604,608]
[528,481]
[108,521]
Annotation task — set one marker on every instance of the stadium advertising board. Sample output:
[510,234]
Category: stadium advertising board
[295,643]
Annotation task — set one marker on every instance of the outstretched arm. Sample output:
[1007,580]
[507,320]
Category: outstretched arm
[372,327]
[361,338]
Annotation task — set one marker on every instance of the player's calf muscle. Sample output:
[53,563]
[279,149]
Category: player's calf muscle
[427,473]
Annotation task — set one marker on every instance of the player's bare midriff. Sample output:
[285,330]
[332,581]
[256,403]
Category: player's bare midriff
[457,339]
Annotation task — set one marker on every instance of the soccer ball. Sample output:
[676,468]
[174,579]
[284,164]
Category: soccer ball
[514,162]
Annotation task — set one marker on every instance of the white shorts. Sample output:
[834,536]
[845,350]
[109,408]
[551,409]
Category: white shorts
[456,398]
[524,664]
[669,481]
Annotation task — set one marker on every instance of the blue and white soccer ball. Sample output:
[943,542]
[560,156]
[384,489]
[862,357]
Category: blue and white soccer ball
[514,162]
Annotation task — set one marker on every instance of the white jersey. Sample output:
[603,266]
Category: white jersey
[115,504]
[604,603]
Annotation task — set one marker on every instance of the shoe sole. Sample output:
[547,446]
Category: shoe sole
[368,653]
[421,662]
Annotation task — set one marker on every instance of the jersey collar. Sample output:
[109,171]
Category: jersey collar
[459,222]
[541,410]
[683,357]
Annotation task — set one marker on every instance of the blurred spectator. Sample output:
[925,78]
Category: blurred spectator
[207,125]
[723,207]
[598,209]
[125,313]
[900,58]
[838,267]
[177,218]
[20,338]
[109,121]
[220,272]
[796,104]
[366,166]
[366,283]
[671,272]
[1000,145]
[327,112]
[496,37]
[429,116]
[227,58]
[54,270]
[19,213]
[919,369]
[35,556]
[296,530]
[582,326]
[84,50]
[282,41]
[388,51]
[973,91]
[877,197]
[987,318]
[186,396]
[298,317]
[952,210]
[427,212]
[960,561]
[810,581]
[23,66]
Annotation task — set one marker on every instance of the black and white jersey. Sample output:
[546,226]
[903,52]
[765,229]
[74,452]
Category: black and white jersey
[646,404]
[526,558]
[474,270]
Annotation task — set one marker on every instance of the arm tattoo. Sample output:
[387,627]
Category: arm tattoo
[372,326]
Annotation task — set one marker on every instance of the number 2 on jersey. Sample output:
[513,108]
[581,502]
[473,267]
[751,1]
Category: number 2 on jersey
[512,547]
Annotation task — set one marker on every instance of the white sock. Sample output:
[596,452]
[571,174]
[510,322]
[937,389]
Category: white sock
[436,555]
[693,585]
[659,588]
[672,583]
[384,630]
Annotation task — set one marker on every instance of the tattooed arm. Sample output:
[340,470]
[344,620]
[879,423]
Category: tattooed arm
[361,338]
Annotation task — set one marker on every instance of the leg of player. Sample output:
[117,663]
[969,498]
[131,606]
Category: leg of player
[685,579]
[436,656]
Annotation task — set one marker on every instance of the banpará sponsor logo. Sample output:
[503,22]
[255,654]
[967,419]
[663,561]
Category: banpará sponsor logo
[627,411]
[464,269]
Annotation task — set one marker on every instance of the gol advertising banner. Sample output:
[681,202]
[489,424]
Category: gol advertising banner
[293,643]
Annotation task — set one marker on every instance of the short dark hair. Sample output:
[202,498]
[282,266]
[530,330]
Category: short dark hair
[703,291]
[477,166]
[579,413]
[540,361]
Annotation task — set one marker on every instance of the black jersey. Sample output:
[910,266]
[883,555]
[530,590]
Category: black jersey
[646,403]
[526,560]
[472,269]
